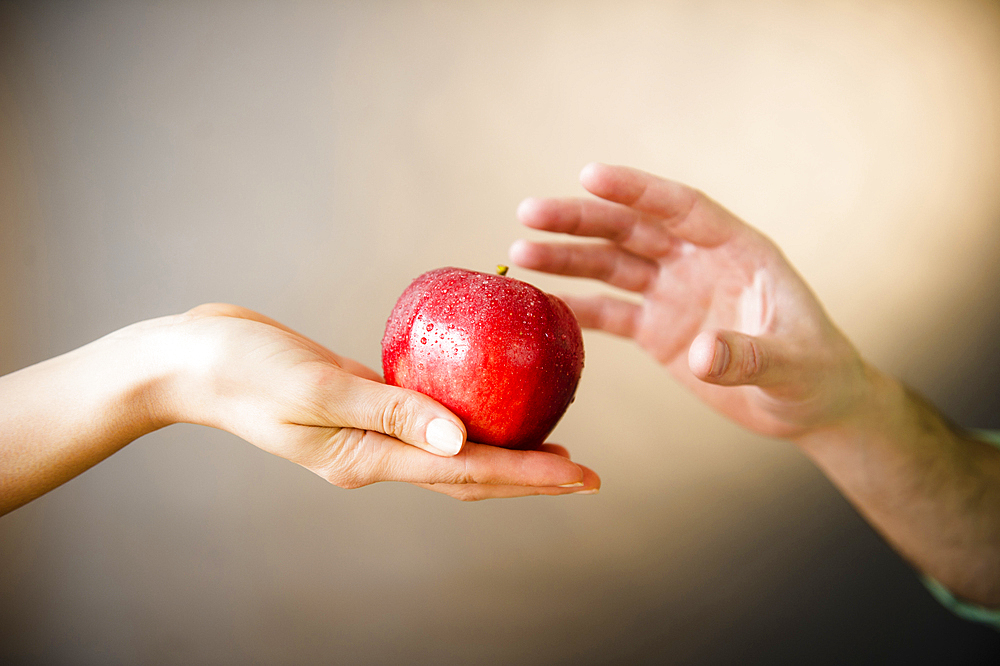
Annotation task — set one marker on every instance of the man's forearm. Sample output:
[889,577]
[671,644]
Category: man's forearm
[931,490]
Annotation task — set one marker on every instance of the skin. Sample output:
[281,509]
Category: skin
[730,318]
[231,368]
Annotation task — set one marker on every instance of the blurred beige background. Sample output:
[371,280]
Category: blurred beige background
[309,159]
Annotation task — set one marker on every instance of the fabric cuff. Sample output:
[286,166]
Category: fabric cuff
[961,608]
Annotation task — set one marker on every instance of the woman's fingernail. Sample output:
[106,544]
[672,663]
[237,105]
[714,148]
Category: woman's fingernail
[444,436]
[721,359]
[589,491]
[571,485]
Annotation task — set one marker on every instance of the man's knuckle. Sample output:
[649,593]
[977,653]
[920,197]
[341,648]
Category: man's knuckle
[753,360]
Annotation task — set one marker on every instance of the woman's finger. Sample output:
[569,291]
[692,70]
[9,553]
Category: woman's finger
[590,485]
[556,449]
[239,312]
[347,401]
[352,458]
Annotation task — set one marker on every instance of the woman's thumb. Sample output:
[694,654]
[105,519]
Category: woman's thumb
[407,415]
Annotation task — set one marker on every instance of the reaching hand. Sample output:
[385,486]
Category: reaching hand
[721,307]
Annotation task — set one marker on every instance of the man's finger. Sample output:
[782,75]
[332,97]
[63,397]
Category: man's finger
[641,234]
[685,212]
[729,358]
[604,262]
[606,313]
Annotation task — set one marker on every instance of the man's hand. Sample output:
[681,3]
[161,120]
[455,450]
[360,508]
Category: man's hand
[721,307]
[724,310]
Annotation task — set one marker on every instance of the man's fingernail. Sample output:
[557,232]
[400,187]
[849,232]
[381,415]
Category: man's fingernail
[721,359]
[571,485]
[444,436]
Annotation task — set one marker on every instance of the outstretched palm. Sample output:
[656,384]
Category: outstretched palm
[296,399]
[721,307]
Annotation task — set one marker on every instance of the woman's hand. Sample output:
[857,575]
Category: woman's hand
[296,399]
[720,305]
[234,369]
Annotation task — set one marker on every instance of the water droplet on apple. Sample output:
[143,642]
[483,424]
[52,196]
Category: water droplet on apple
[423,341]
[430,327]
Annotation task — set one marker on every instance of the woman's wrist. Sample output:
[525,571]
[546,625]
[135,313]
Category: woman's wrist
[70,412]
[172,374]
[134,376]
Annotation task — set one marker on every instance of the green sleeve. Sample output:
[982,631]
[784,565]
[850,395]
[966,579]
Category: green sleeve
[961,608]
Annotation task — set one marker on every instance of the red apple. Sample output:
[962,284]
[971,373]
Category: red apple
[503,355]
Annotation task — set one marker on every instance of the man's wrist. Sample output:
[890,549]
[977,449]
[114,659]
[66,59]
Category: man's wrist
[875,399]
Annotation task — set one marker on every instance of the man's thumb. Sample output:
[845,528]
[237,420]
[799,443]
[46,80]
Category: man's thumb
[729,358]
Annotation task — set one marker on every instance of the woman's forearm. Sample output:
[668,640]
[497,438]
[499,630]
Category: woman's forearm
[62,416]
[931,490]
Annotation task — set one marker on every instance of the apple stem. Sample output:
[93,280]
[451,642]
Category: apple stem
[501,269]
